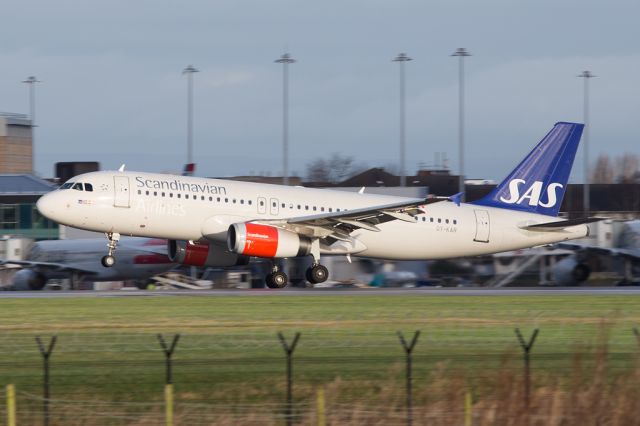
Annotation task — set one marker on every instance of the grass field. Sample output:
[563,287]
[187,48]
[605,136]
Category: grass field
[229,353]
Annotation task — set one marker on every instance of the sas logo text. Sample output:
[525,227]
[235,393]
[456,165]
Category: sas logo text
[532,194]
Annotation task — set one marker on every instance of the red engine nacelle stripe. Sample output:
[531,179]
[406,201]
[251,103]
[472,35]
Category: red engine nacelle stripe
[196,254]
[262,240]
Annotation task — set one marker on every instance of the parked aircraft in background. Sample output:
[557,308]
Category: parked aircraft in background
[574,269]
[140,258]
[211,222]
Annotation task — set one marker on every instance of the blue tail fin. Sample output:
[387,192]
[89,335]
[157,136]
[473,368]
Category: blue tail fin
[539,182]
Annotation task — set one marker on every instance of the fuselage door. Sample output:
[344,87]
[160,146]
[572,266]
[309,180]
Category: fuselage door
[262,205]
[121,188]
[273,207]
[482,226]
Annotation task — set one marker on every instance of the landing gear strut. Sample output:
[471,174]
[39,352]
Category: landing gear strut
[317,273]
[109,260]
[276,279]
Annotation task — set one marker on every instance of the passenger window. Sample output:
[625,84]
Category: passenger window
[178,195]
[139,192]
[155,193]
[218,199]
[306,207]
[88,187]
[439,220]
[330,209]
[226,200]
[171,195]
[202,198]
[446,221]
[210,198]
[261,203]
[431,220]
[424,219]
[455,222]
[314,208]
[241,201]
[234,201]
[146,192]
[163,194]
[250,202]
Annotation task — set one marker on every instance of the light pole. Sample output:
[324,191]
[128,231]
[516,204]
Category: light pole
[285,60]
[189,71]
[31,81]
[461,53]
[401,59]
[586,195]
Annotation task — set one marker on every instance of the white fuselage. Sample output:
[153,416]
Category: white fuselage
[191,208]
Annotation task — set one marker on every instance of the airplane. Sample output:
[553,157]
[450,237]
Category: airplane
[215,222]
[574,269]
[77,259]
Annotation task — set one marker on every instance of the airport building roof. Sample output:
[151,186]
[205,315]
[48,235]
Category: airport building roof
[23,184]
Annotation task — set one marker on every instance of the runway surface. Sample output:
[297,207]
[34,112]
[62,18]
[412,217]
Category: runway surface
[418,292]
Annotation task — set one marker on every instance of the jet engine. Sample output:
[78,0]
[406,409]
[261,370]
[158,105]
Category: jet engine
[28,279]
[252,239]
[203,254]
[570,271]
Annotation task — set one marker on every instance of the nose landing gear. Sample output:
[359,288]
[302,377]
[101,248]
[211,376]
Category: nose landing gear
[109,260]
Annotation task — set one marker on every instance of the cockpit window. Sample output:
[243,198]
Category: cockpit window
[77,186]
[67,185]
[88,187]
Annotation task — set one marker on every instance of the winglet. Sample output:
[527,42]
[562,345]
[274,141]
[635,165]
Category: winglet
[456,198]
[121,169]
[361,190]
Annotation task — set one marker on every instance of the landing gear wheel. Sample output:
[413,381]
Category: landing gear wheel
[317,274]
[108,261]
[277,280]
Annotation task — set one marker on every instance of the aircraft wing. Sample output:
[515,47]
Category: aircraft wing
[50,266]
[340,224]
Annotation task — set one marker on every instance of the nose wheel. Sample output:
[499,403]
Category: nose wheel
[109,260]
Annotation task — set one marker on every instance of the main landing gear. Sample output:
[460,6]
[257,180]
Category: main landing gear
[109,260]
[317,274]
[277,278]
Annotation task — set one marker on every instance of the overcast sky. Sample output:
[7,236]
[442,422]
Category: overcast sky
[113,91]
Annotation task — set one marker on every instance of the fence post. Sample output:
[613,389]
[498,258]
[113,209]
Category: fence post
[321,408]
[468,406]
[168,386]
[11,405]
[288,349]
[408,348]
[526,348]
[46,354]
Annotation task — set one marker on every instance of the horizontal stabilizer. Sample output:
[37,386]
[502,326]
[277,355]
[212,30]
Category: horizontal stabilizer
[560,224]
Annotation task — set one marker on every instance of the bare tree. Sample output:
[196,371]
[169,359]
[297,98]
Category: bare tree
[603,170]
[627,167]
[334,169]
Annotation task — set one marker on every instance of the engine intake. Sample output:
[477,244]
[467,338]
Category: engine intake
[252,239]
[203,254]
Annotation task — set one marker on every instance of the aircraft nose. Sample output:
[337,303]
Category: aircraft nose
[48,207]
